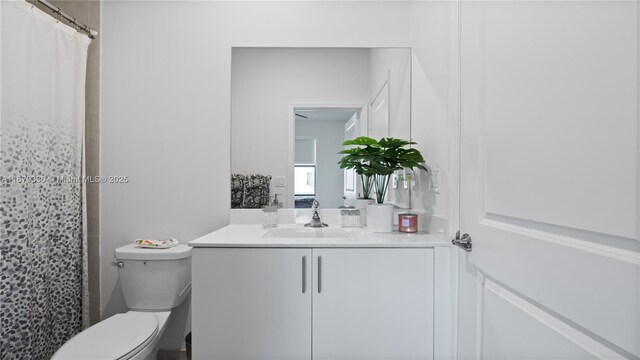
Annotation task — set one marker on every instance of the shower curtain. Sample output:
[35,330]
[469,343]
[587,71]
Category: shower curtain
[43,277]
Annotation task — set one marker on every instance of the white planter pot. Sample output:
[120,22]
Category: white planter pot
[361,204]
[380,218]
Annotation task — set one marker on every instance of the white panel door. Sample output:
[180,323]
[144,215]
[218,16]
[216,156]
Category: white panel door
[251,304]
[379,112]
[373,304]
[351,184]
[549,180]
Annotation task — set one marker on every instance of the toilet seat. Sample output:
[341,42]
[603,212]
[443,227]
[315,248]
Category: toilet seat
[119,337]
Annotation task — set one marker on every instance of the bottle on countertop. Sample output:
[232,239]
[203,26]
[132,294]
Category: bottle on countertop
[271,213]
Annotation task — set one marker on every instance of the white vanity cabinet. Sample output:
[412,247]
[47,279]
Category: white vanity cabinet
[313,303]
[373,304]
[250,303]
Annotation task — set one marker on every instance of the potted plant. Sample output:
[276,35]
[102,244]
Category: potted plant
[392,154]
[357,158]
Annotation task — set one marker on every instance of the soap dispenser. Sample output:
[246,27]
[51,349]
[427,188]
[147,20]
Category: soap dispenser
[271,213]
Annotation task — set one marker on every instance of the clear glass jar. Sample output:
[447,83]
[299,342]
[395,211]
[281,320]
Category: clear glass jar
[270,213]
[350,218]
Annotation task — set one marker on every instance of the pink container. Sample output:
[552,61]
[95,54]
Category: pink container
[408,223]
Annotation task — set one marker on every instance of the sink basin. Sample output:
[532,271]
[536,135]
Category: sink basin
[308,233]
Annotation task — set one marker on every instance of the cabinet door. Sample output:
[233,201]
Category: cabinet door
[251,304]
[373,304]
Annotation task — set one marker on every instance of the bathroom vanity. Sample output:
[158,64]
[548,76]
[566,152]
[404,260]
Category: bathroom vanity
[299,293]
[292,292]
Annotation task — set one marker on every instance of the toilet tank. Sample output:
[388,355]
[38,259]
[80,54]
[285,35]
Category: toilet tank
[154,279]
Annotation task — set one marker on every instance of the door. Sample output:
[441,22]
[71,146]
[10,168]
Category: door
[251,303]
[351,185]
[549,180]
[373,304]
[379,114]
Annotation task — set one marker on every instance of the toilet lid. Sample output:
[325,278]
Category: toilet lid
[118,337]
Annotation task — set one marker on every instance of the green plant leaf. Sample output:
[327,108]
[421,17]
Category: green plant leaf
[375,161]
[360,141]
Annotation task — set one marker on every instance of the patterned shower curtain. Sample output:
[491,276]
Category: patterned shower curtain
[43,277]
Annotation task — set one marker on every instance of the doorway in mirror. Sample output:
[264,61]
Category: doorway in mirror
[319,134]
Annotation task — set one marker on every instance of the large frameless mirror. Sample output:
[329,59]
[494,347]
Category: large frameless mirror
[291,110]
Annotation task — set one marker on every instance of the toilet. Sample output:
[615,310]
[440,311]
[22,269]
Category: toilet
[154,281]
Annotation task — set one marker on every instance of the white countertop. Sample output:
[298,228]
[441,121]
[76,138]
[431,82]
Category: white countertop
[253,235]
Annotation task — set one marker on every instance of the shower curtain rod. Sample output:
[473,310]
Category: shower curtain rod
[91,33]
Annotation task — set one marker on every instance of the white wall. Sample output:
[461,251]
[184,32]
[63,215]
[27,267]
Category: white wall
[165,122]
[266,82]
[433,107]
[329,136]
[434,126]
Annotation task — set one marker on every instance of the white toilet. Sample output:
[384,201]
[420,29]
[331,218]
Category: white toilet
[153,281]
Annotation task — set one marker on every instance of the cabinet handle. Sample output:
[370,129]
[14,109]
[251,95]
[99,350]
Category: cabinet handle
[304,274]
[319,274]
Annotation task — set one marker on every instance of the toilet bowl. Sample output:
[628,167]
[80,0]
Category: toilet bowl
[130,336]
[153,282]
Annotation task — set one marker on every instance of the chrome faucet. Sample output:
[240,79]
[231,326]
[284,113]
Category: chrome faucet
[315,216]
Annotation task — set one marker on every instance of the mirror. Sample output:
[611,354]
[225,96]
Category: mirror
[291,109]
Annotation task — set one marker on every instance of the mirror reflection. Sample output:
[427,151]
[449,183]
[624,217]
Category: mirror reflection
[319,133]
[293,107]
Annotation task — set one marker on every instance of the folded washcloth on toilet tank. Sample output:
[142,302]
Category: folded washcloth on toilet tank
[157,244]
